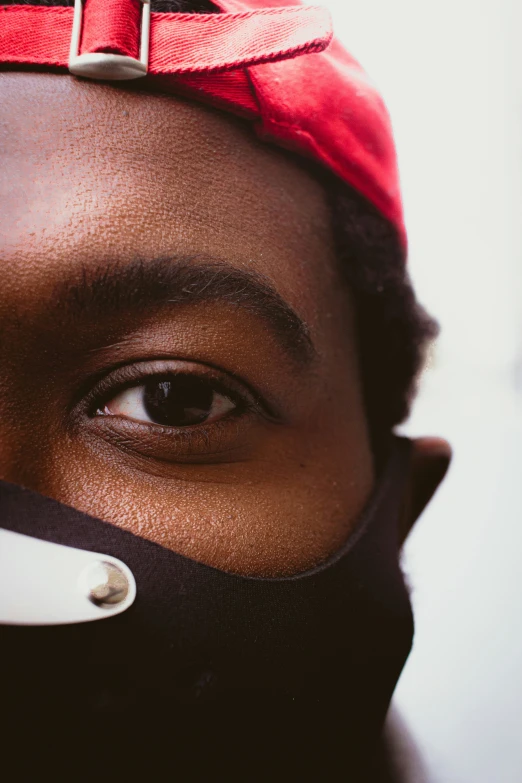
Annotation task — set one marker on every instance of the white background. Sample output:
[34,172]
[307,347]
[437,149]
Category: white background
[451,75]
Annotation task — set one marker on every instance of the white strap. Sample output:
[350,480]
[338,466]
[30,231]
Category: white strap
[50,584]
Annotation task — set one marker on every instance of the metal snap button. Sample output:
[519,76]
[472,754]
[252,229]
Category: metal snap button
[104,584]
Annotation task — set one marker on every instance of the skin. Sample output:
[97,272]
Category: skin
[95,178]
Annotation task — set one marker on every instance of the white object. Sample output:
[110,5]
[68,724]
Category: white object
[42,583]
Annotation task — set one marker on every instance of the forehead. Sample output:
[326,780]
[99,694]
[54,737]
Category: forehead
[92,172]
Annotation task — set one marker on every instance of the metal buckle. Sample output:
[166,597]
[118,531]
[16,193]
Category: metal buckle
[99,65]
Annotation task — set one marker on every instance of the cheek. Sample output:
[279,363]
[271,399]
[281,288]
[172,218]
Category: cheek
[282,510]
[281,513]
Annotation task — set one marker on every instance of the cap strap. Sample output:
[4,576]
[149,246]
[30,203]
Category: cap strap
[179,43]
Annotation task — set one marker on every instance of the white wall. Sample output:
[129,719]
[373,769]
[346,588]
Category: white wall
[451,74]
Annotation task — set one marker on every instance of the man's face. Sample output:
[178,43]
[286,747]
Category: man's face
[178,352]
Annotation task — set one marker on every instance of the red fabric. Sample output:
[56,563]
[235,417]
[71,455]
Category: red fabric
[246,61]
[179,43]
[217,42]
[111,26]
[35,35]
[230,91]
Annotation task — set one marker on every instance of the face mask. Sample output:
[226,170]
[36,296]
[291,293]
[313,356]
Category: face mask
[216,676]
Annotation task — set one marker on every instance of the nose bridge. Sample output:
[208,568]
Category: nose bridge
[22,454]
[7,414]
[16,450]
[13,466]
[20,414]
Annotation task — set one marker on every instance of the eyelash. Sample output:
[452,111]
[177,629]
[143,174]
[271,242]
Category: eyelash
[131,376]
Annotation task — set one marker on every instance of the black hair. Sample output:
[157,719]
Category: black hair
[393,329]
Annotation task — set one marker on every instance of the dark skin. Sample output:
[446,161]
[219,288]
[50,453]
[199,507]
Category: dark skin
[105,191]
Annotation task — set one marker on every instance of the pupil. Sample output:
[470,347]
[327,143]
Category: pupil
[178,402]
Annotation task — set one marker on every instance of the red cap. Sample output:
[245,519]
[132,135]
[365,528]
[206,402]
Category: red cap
[272,61]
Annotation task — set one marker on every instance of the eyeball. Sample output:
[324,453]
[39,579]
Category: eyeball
[173,401]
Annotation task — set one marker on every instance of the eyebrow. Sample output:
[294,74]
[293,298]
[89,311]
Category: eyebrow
[142,284]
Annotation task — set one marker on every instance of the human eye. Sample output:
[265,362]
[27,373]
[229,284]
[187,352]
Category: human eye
[172,400]
[175,410]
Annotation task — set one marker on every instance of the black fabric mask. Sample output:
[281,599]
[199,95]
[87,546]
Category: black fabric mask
[212,676]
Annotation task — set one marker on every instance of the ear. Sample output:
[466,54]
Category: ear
[430,460]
